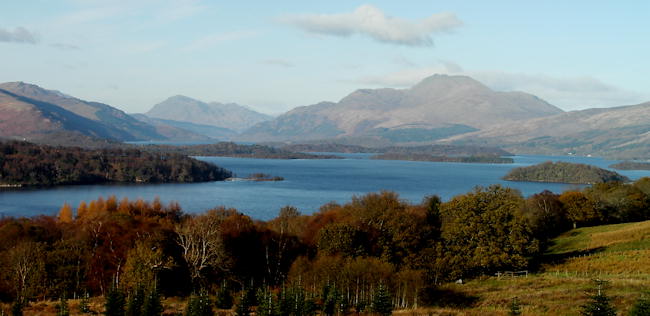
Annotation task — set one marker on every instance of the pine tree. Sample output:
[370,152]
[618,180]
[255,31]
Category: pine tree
[115,302]
[152,305]
[381,301]
[244,305]
[267,304]
[62,307]
[199,306]
[224,298]
[17,308]
[65,213]
[641,306]
[135,302]
[84,304]
[515,308]
[599,303]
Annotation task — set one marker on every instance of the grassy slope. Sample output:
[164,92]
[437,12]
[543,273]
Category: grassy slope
[617,253]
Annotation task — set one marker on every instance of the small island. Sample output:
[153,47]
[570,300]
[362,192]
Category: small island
[27,164]
[564,172]
[631,165]
[264,177]
[432,158]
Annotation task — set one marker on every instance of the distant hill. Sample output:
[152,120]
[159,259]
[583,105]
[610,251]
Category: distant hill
[564,172]
[620,132]
[230,116]
[90,118]
[182,131]
[438,107]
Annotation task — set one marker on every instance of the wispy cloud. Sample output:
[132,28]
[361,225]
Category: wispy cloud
[278,62]
[65,46]
[18,35]
[569,93]
[370,21]
[213,39]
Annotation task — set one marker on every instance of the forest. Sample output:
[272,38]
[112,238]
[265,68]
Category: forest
[563,172]
[631,165]
[26,164]
[230,149]
[375,253]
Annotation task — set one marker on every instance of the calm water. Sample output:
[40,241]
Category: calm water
[308,184]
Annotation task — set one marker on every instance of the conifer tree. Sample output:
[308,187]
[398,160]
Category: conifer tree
[135,302]
[267,304]
[244,305]
[62,307]
[199,305]
[152,305]
[17,308]
[65,213]
[641,306]
[381,301]
[599,303]
[84,304]
[515,308]
[224,299]
[114,305]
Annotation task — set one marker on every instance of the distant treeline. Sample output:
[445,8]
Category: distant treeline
[23,163]
[433,150]
[631,165]
[344,258]
[563,172]
[229,149]
[426,157]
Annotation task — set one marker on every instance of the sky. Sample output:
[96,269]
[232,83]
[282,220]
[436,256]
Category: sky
[276,55]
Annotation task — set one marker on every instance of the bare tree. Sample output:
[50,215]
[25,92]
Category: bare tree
[200,239]
[26,262]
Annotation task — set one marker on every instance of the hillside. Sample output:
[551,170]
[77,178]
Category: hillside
[172,131]
[619,132]
[205,131]
[113,123]
[563,172]
[230,116]
[437,107]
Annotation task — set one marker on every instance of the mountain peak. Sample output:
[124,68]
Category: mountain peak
[445,84]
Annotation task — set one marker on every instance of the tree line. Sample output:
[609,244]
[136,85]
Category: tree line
[375,253]
[23,163]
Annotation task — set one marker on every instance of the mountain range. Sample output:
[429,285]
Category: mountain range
[231,116]
[440,109]
[437,107]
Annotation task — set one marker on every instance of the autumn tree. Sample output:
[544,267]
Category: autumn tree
[65,213]
[484,231]
[26,261]
[580,210]
[143,263]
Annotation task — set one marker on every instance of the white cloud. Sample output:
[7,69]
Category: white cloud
[278,62]
[569,93]
[213,39]
[370,21]
[18,35]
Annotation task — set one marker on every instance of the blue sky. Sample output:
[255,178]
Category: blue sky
[276,55]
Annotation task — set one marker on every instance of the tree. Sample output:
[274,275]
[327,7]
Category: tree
[382,301]
[599,303]
[62,307]
[484,231]
[84,304]
[579,209]
[152,305]
[143,263]
[135,301]
[641,306]
[515,308]
[199,305]
[26,261]
[114,304]
[17,308]
[224,298]
[244,304]
[201,243]
[65,213]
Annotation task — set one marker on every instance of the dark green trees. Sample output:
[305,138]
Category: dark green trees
[381,301]
[114,305]
[599,303]
[641,306]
